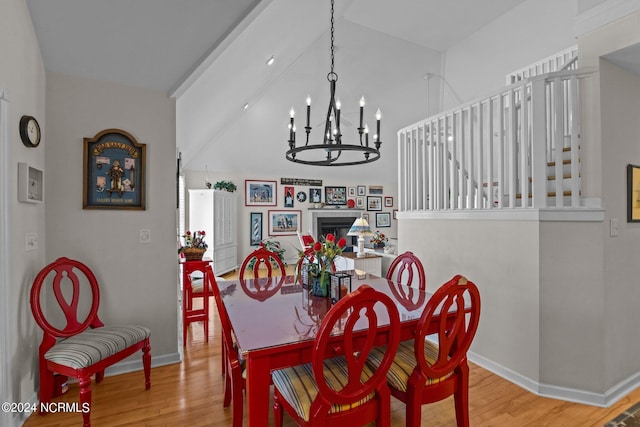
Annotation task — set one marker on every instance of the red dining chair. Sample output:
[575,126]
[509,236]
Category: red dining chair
[426,372]
[263,287]
[338,387]
[235,377]
[80,345]
[404,268]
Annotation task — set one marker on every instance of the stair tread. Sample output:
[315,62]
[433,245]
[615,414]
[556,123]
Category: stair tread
[549,194]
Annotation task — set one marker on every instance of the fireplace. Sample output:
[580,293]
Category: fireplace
[336,222]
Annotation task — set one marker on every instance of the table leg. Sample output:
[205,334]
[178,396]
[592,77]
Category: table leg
[258,389]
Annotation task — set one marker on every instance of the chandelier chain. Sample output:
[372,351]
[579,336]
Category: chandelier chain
[332,75]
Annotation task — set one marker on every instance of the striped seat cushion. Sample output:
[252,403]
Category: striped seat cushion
[405,362]
[298,386]
[197,284]
[94,345]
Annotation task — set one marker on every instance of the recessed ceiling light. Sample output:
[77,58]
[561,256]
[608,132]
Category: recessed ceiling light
[271,60]
[245,106]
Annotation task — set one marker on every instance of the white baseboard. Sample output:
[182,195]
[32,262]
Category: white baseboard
[136,364]
[604,400]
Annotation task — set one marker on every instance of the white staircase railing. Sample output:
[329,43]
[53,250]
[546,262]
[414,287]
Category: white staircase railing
[565,60]
[518,148]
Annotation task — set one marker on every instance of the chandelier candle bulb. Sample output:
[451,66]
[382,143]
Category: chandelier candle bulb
[366,134]
[361,110]
[378,117]
[309,111]
[292,113]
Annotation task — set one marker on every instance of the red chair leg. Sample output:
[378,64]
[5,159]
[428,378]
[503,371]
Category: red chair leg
[99,376]
[46,384]
[413,407]
[384,414]
[277,411]
[237,403]
[146,363]
[461,397]
[223,359]
[184,329]
[227,390]
[85,400]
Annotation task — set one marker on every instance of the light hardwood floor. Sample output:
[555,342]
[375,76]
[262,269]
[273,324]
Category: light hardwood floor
[190,394]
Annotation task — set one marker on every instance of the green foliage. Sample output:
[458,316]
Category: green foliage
[273,246]
[225,185]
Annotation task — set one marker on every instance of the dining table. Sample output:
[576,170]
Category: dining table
[275,321]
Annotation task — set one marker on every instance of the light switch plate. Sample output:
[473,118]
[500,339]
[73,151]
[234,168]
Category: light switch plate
[30,242]
[145,235]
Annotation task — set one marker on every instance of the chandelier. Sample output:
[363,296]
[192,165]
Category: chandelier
[330,151]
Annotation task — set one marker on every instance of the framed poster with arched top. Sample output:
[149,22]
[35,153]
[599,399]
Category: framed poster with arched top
[113,171]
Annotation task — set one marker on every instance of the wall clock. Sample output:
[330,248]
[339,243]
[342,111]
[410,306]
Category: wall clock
[29,131]
[301,196]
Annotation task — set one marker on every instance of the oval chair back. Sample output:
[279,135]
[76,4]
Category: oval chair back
[442,369]
[405,269]
[345,390]
[263,287]
[263,258]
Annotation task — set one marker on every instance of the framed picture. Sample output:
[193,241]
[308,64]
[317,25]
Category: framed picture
[113,172]
[388,202]
[255,222]
[366,217]
[288,197]
[395,214]
[284,223]
[362,190]
[383,219]
[351,191]
[260,193]
[375,189]
[633,193]
[335,195]
[360,202]
[315,195]
[374,203]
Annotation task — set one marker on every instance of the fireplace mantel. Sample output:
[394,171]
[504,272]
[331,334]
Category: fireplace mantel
[314,214]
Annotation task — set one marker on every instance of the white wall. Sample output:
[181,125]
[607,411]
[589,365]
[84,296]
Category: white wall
[196,179]
[22,76]
[620,95]
[528,33]
[138,281]
[501,258]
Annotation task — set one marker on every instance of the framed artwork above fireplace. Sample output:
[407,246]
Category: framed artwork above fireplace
[335,195]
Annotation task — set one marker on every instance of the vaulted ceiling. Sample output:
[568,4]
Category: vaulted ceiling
[210,55]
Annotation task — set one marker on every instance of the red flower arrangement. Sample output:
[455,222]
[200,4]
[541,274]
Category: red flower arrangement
[321,256]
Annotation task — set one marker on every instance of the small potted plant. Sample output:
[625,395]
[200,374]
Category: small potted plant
[379,240]
[194,246]
[225,185]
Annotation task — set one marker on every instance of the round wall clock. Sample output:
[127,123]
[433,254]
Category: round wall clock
[29,131]
[301,196]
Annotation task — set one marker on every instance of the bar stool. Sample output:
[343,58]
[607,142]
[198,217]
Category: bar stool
[189,314]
